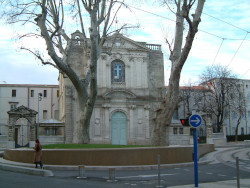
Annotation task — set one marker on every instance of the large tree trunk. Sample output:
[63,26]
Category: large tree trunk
[164,115]
[81,129]
[82,123]
[178,57]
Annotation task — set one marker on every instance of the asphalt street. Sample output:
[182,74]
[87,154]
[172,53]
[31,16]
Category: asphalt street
[222,167]
[169,177]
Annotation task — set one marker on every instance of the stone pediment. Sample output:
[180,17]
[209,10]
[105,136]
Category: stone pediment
[119,94]
[119,41]
[22,111]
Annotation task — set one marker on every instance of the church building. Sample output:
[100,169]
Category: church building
[130,88]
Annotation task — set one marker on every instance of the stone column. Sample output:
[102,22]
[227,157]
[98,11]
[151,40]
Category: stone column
[32,135]
[209,130]
[68,114]
[132,130]
[208,127]
[11,129]
[146,110]
[106,121]
[11,133]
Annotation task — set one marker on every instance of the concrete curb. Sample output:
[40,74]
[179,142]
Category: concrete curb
[120,168]
[144,167]
[26,170]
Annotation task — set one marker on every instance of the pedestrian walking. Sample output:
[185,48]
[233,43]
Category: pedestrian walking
[38,154]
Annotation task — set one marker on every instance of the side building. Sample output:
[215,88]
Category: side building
[238,112]
[13,96]
[190,102]
[234,116]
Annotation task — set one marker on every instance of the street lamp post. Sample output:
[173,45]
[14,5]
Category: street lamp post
[37,126]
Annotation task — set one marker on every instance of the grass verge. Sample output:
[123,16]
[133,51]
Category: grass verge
[88,146]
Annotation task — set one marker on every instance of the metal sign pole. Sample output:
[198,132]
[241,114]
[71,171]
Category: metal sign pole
[237,172]
[195,121]
[195,158]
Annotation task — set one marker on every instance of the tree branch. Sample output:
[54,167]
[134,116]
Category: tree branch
[80,16]
[58,61]
[38,56]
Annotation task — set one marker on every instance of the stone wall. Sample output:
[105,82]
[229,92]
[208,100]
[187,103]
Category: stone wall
[111,157]
[51,139]
[3,141]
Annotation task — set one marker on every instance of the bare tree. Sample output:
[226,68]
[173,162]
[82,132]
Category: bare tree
[178,55]
[237,106]
[48,18]
[186,93]
[222,83]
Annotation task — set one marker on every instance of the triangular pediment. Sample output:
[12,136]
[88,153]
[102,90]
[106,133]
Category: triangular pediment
[119,41]
[119,94]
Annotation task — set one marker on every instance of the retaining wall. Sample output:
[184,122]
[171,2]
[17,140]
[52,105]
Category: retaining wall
[110,157]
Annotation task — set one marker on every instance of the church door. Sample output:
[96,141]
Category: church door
[119,128]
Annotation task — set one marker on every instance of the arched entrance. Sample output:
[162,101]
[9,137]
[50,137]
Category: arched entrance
[118,128]
[17,117]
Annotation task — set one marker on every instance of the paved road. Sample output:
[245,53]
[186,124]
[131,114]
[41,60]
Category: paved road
[18,180]
[228,157]
[222,168]
[169,177]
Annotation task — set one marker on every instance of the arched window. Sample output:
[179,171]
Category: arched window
[117,72]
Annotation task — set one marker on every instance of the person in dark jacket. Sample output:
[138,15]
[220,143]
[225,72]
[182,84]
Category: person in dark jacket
[38,154]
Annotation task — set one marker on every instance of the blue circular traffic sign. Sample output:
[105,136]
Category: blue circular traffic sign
[195,120]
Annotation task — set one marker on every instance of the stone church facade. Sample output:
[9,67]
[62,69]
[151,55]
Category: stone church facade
[130,88]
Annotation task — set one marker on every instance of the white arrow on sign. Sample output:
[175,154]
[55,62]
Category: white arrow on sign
[197,120]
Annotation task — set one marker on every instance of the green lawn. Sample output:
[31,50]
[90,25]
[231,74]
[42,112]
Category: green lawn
[87,146]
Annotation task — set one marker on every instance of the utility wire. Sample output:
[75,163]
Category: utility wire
[225,22]
[237,49]
[150,13]
[218,51]
[244,73]
[223,38]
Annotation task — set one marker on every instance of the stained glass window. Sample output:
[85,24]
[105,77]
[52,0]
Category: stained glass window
[117,71]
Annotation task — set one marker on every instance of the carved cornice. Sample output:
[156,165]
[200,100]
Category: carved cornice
[147,106]
[22,111]
[132,107]
[106,105]
[119,93]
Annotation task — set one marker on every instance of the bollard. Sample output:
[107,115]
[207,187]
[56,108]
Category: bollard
[237,172]
[81,172]
[111,175]
[159,171]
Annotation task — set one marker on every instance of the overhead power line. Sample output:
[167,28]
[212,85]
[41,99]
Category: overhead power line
[244,73]
[212,34]
[218,51]
[225,22]
[237,49]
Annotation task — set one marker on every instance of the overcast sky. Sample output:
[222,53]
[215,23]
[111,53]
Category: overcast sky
[222,38]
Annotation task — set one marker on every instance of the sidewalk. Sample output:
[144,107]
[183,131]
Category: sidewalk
[244,183]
